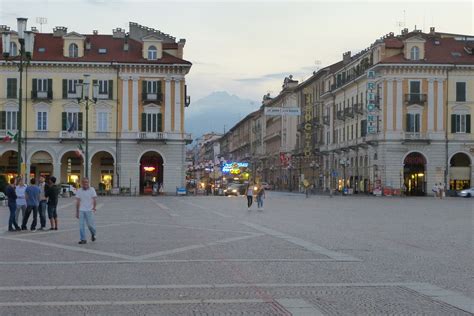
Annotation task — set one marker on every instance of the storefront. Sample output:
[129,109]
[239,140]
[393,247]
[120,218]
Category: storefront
[460,172]
[414,174]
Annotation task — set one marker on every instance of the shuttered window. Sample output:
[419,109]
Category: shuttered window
[42,121]
[11,88]
[151,122]
[460,123]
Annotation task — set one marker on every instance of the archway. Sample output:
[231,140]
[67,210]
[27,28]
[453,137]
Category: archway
[102,171]
[460,172]
[8,165]
[41,164]
[151,171]
[72,168]
[414,174]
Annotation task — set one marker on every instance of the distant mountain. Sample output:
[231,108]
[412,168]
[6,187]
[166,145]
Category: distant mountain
[217,111]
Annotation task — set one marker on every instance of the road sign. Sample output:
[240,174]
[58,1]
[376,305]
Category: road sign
[276,111]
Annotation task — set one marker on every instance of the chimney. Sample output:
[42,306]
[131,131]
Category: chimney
[59,31]
[4,28]
[181,44]
[118,33]
[432,30]
[34,29]
[346,57]
[405,31]
[95,32]
[125,43]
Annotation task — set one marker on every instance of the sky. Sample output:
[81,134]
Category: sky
[247,47]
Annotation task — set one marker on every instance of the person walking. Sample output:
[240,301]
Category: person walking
[32,195]
[435,190]
[249,193]
[11,195]
[260,197]
[86,199]
[43,202]
[20,200]
[52,193]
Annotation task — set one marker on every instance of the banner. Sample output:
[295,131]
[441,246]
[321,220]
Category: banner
[275,111]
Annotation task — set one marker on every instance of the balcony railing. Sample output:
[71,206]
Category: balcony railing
[340,115]
[349,112]
[415,136]
[359,108]
[326,120]
[71,135]
[41,95]
[415,98]
[164,136]
[152,97]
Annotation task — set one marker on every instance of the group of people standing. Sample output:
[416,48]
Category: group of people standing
[34,199]
[439,190]
[255,191]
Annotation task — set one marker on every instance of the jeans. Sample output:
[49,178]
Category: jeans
[259,201]
[86,217]
[52,211]
[42,213]
[30,208]
[17,214]
[12,221]
[249,200]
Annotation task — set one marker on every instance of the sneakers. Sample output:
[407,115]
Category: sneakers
[41,228]
[33,230]
[93,238]
[82,242]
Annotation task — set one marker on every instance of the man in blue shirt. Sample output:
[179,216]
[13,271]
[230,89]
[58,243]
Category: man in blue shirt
[11,194]
[32,194]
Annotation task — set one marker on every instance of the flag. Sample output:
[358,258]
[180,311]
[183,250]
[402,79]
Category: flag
[79,150]
[71,125]
[10,137]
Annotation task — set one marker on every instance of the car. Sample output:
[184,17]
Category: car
[68,188]
[235,189]
[466,192]
[267,186]
[2,196]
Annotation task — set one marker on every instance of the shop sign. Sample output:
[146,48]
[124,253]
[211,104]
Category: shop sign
[372,113]
[276,111]
[234,167]
[308,126]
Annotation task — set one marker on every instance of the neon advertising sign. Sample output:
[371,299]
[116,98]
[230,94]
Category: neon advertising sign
[234,167]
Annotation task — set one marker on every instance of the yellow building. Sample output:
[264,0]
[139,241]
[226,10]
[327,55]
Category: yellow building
[136,126]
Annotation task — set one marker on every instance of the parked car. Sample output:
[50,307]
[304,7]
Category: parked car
[466,192]
[235,189]
[68,188]
[2,196]
[267,186]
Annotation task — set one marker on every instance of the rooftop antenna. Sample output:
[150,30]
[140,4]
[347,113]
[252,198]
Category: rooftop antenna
[401,24]
[41,21]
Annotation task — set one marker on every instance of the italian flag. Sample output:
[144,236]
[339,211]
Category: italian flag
[10,137]
[79,150]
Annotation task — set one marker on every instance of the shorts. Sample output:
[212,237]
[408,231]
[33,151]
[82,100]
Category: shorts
[52,213]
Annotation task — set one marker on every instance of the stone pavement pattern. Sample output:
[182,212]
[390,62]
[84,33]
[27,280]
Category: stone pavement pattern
[210,256]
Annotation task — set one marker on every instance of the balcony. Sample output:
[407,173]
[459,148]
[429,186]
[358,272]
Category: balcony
[359,108]
[164,136]
[72,135]
[340,115]
[152,97]
[349,112]
[326,120]
[415,98]
[41,95]
[272,135]
[416,137]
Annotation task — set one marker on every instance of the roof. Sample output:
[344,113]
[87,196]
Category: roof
[447,51]
[54,50]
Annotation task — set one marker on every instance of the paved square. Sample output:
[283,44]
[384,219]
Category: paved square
[210,256]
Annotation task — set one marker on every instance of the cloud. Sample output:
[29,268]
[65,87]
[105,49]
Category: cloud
[301,72]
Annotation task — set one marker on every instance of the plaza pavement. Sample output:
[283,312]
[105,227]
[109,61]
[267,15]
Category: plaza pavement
[210,256]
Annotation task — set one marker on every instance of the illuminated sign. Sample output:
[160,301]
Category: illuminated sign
[234,167]
[149,169]
[308,126]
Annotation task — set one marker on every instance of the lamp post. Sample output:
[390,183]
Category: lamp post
[344,162]
[290,167]
[25,38]
[313,165]
[82,92]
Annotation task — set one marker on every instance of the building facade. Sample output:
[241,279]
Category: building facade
[136,126]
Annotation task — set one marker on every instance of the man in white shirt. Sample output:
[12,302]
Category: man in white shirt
[86,199]
[20,200]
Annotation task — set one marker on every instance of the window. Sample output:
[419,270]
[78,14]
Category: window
[415,90]
[42,121]
[151,122]
[415,53]
[413,122]
[73,50]
[12,120]
[103,86]
[11,88]
[151,86]
[460,123]
[13,49]
[42,85]
[72,121]
[71,86]
[152,53]
[102,122]
[460,91]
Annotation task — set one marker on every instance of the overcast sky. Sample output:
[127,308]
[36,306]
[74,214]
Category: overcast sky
[247,47]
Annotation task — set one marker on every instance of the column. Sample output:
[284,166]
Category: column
[57,171]
[177,105]
[430,105]
[440,106]
[167,127]
[389,104]
[125,104]
[399,117]
[135,104]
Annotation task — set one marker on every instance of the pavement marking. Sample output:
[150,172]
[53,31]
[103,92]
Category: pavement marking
[164,208]
[197,246]
[197,228]
[155,302]
[446,296]
[299,307]
[241,260]
[207,209]
[46,232]
[303,243]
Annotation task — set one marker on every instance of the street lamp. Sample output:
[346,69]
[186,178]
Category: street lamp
[25,38]
[313,165]
[290,167]
[82,92]
[344,163]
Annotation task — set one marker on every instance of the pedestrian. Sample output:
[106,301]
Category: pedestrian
[32,195]
[86,199]
[441,190]
[43,202]
[260,197]
[435,190]
[20,200]
[249,193]
[52,193]
[11,195]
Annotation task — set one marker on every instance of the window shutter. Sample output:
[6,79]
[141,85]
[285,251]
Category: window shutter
[50,88]
[160,122]
[64,121]
[453,123]
[79,119]
[2,120]
[408,122]
[159,93]
[468,123]
[34,88]
[144,96]
[111,90]
[65,89]
[143,122]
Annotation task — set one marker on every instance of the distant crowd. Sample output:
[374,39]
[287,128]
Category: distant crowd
[34,199]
